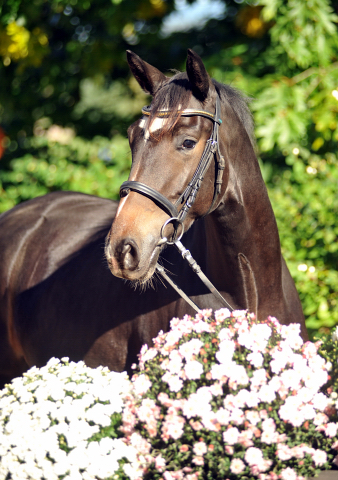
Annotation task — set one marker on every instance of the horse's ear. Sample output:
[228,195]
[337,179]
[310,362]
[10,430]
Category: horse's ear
[198,76]
[149,77]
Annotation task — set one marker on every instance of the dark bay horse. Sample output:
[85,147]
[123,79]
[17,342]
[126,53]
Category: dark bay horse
[57,295]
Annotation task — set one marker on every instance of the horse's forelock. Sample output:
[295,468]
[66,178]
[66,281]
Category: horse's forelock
[173,96]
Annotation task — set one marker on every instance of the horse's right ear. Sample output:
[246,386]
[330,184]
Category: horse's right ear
[149,77]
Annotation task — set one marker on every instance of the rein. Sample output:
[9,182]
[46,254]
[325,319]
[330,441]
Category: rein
[186,199]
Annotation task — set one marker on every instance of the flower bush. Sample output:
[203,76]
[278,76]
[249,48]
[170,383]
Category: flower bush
[62,422]
[223,397]
[218,397]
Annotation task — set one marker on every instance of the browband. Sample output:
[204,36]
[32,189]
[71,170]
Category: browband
[188,112]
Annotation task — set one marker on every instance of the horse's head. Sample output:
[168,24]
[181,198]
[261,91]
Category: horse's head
[167,142]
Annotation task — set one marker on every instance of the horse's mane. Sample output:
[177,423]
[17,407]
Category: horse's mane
[175,93]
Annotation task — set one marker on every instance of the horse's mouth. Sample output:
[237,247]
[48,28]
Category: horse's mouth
[140,277]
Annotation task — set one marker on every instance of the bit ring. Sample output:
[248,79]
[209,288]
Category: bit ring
[172,220]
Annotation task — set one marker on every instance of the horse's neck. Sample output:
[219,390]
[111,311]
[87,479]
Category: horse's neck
[243,248]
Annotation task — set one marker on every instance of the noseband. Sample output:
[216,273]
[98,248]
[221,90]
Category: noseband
[188,197]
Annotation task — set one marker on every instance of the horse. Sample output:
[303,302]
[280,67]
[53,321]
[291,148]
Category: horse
[80,275]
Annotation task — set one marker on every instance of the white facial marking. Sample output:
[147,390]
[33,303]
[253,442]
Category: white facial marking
[156,124]
[120,206]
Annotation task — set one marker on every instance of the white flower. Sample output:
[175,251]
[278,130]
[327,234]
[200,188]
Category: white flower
[253,456]
[193,369]
[319,457]
[174,382]
[288,474]
[231,435]
[200,448]
[320,401]
[142,384]
[195,405]
[256,359]
[266,394]
[237,466]
[335,335]
[191,348]
[226,351]
[55,404]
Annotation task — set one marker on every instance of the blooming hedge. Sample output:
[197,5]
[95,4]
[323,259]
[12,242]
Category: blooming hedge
[225,397]
[62,422]
[219,396]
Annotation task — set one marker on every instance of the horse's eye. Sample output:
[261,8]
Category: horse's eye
[188,144]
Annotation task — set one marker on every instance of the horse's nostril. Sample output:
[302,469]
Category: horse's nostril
[129,257]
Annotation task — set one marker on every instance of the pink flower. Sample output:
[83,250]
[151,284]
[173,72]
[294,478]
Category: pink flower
[320,419]
[237,466]
[198,460]
[196,425]
[309,350]
[298,451]
[245,437]
[210,422]
[191,348]
[163,398]
[175,362]
[177,475]
[284,452]
[221,315]
[192,476]
[173,427]
[200,448]
[288,474]
[229,450]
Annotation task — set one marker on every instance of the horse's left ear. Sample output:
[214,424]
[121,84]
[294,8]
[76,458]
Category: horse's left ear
[149,77]
[198,76]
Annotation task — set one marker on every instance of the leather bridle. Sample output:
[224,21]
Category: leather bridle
[188,197]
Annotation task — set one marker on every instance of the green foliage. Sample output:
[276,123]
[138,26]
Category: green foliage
[97,167]
[306,207]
